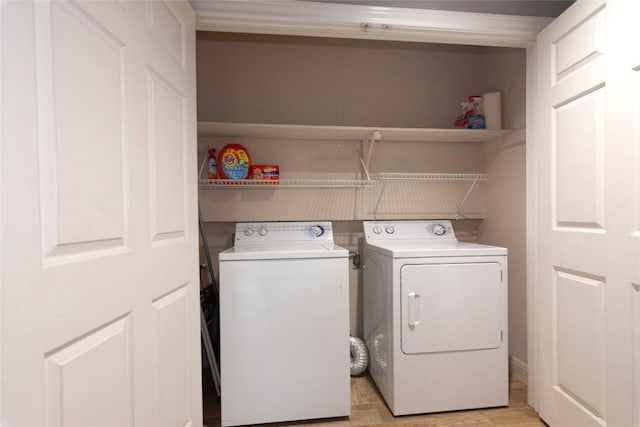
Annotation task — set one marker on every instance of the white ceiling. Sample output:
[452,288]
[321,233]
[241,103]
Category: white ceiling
[548,8]
[359,20]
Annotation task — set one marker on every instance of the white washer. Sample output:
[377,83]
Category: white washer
[284,324]
[435,317]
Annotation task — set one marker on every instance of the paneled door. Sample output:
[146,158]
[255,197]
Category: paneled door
[627,71]
[99,250]
[588,89]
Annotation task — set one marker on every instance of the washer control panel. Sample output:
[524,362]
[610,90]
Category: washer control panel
[403,230]
[266,232]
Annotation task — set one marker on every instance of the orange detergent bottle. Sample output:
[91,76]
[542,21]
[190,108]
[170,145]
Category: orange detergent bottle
[233,162]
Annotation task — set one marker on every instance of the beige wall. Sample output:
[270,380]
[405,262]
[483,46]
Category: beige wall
[506,190]
[274,79]
[298,80]
[505,226]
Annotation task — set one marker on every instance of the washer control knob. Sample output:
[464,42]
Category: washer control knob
[389,229]
[439,230]
[248,232]
[377,229]
[317,230]
[262,231]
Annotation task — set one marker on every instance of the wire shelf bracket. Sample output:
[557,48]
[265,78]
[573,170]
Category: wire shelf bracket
[464,200]
[385,177]
[367,146]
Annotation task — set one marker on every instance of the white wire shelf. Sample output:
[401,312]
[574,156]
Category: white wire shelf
[391,176]
[215,184]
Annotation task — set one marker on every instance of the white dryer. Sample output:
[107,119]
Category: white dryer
[284,324]
[435,317]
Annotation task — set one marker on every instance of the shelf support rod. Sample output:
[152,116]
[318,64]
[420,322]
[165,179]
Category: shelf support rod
[367,145]
[204,163]
[375,210]
[466,197]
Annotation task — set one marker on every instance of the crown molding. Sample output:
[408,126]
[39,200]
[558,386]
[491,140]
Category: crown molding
[304,18]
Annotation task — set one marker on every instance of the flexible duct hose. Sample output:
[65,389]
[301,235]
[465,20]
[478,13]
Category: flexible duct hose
[359,356]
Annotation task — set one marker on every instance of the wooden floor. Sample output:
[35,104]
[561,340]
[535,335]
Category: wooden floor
[368,409]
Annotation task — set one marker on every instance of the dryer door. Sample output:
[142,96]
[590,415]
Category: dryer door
[451,307]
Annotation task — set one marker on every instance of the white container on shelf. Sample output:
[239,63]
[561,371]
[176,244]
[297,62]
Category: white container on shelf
[492,105]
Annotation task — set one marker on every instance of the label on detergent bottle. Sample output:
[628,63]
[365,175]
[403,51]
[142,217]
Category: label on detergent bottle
[476,122]
[233,162]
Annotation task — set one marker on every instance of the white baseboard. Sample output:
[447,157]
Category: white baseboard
[518,369]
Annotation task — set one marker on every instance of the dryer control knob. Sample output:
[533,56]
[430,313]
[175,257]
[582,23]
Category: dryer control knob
[262,231]
[317,230]
[248,232]
[390,230]
[439,230]
[377,229]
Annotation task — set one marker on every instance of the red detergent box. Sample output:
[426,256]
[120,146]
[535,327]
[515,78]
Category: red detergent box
[265,172]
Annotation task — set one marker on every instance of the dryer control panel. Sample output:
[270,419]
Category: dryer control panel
[408,230]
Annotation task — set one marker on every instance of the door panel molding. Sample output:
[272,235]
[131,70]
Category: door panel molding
[168,30]
[82,159]
[170,324]
[579,46]
[578,193]
[167,158]
[579,338]
[77,367]
[635,302]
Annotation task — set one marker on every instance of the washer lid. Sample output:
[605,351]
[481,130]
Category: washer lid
[431,248]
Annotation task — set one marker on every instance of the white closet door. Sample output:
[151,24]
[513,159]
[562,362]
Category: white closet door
[588,197]
[628,86]
[99,261]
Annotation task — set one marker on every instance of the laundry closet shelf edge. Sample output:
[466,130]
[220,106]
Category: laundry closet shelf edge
[343,133]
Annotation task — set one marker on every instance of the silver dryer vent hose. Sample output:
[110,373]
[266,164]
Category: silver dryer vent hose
[359,356]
